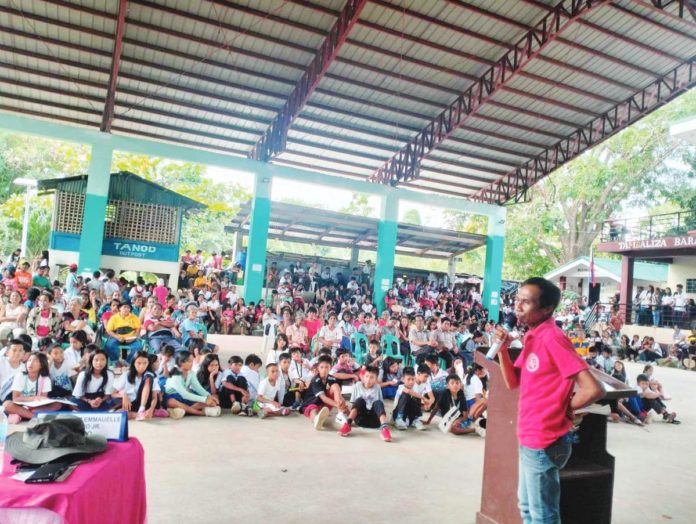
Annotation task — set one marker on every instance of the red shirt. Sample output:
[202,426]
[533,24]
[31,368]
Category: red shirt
[548,365]
[313,327]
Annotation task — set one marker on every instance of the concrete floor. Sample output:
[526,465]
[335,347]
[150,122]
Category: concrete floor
[203,470]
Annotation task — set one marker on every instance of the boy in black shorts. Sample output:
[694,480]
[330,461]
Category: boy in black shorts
[368,406]
[324,393]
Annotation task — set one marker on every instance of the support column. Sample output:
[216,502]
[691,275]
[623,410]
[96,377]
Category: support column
[255,268]
[94,213]
[493,270]
[451,269]
[626,290]
[354,252]
[386,248]
[237,248]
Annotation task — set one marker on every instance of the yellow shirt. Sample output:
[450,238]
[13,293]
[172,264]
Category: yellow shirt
[200,282]
[117,321]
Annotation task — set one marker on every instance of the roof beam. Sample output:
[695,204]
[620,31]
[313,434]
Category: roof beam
[108,116]
[406,164]
[656,94]
[273,141]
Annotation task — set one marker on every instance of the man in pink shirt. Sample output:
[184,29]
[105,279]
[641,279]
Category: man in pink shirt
[547,371]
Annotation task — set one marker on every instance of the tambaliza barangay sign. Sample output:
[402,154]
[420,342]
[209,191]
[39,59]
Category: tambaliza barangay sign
[659,243]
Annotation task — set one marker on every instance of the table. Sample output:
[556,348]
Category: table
[109,489]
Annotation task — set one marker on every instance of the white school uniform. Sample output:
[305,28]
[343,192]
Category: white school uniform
[94,384]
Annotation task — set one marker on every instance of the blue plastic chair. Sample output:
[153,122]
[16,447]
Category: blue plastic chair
[360,345]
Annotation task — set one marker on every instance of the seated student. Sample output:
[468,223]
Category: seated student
[271,394]
[183,393]
[412,396]
[33,384]
[11,365]
[165,364]
[367,409]
[655,385]
[374,356]
[604,361]
[453,397]
[650,400]
[300,374]
[75,352]
[280,345]
[324,393]
[389,377]
[343,371]
[139,390]
[232,387]
[293,396]
[207,374]
[62,372]
[473,385]
[94,385]
[250,371]
[123,330]
[438,377]
[330,336]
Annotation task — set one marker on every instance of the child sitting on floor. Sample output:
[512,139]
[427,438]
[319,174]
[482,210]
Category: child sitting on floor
[367,406]
[650,400]
[412,397]
[185,395]
[95,385]
[233,388]
[324,393]
[140,390]
[11,365]
[34,384]
[438,377]
[389,377]
[250,371]
[271,393]
[343,371]
[61,373]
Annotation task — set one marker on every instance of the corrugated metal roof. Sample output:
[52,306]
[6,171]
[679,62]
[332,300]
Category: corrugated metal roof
[215,73]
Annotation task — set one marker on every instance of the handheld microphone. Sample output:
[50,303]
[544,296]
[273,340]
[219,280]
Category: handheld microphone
[493,351]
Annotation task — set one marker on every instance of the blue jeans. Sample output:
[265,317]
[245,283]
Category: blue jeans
[113,348]
[539,486]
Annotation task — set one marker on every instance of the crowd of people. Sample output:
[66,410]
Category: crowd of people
[105,343]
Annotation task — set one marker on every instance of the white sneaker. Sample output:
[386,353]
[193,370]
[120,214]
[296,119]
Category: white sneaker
[400,424]
[650,417]
[481,432]
[320,418]
[341,419]
[236,408]
[212,411]
[176,413]
[418,424]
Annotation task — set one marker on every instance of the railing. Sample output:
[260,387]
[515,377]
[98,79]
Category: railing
[600,313]
[645,228]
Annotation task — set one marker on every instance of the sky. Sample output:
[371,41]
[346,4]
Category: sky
[318,195]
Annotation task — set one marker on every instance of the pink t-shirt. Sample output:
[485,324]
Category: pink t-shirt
[313,327]
[161,293]
[548,364]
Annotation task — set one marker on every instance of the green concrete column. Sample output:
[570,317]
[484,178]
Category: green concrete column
[255,269]
[94,211]
[493,270]
[386,247]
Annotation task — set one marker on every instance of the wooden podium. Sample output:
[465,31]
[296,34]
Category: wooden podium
[587,481]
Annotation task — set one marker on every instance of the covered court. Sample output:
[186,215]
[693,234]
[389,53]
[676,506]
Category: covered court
[458,104]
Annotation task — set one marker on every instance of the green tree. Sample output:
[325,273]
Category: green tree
[360,206]
[412,216]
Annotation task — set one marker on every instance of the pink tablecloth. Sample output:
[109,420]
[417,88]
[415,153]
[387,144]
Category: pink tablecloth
[108,489]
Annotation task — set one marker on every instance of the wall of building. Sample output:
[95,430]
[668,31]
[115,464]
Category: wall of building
[681,269]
